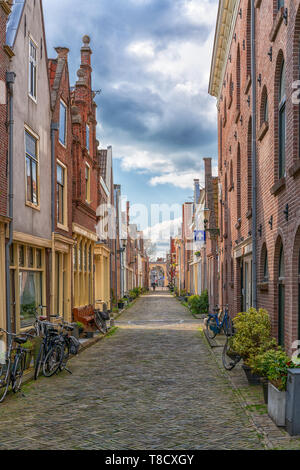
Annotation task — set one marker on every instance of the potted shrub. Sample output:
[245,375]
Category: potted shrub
[121,304]
[80,328]
[252,337]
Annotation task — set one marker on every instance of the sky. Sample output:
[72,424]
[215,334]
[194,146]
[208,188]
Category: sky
[151,61]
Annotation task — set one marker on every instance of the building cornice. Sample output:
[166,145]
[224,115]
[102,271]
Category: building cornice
[226,18]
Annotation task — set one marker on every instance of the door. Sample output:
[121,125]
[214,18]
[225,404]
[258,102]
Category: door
[247,287]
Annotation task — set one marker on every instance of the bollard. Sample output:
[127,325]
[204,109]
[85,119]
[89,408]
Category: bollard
[293,402]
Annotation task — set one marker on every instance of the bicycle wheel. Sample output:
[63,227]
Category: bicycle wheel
[66,355]
[211,327]
[228,326]
[4,380]
[100,323]
[229,359]
[53,359]
[38,363]
[17,373]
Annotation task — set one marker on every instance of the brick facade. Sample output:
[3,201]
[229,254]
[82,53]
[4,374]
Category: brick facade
[278,194]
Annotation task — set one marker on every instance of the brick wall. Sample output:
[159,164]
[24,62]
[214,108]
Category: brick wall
[273,193]
[4,61]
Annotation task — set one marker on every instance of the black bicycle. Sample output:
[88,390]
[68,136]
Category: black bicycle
[101,317]
[50,353]
[69,343]
[229,357]
[12,368]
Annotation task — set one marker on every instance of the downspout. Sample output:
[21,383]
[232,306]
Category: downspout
[10,80]
[54,127]
[253,81]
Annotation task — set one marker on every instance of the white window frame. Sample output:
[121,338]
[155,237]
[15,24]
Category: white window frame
[35,62]
[64,144]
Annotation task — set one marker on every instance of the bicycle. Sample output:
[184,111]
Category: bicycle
[11,371]
[70,344]
[229,358]
[214,324]
[101,317]
[50,352]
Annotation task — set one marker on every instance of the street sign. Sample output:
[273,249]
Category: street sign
[199,235]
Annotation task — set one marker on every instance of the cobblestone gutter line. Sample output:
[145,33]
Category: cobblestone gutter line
[243,402]
[251,399]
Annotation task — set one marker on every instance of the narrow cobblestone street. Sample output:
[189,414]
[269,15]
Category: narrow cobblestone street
[151,385]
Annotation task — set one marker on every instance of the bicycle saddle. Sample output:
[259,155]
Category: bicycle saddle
[20,340]
[42,318]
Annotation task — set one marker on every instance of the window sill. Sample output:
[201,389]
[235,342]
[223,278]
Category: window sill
[263,286]
[32,98]
[278,186]
[248,84]
[263,130]
[32,206]
[63,145]
[294,170]
[63,227]
[276,25]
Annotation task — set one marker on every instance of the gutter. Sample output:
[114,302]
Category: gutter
[254,212]
[10,80]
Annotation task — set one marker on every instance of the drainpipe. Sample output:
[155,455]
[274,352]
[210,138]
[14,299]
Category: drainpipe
[253,81]
[54,127]
[10,80]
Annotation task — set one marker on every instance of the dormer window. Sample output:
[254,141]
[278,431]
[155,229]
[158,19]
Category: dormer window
[32,69]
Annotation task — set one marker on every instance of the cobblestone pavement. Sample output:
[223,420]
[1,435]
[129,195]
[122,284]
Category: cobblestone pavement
[151,385]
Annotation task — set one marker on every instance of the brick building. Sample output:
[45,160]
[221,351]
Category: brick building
[5,54]
[275,110]
[62,241]
[85,186]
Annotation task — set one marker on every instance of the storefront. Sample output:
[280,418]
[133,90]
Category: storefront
[2,273]
[28,267]
[61,277]
[83,266]
[102,275]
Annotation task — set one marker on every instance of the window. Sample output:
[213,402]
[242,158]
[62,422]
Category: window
[266,267]
[83,273]
[280,4]
[60,194]
[32,69]
[27,267]
[31,169]
[281,122]
[62,123]
[87,144]
[60,284]
[87,183]
[266,110]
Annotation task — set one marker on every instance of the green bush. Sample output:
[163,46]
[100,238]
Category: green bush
[253,334]
[199,303]
[274,365]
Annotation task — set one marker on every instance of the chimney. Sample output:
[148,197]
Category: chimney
[196,191]
[86,52]
[62,52]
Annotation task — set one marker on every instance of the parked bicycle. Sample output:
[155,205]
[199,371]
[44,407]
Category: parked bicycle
[70,344]
[229,358]
[217,321]
[12,369]
[51,351]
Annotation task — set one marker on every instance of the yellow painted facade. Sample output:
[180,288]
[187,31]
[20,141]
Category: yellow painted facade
[2,276]
[102,276]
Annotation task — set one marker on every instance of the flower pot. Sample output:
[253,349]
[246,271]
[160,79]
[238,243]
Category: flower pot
[121,305]
[253,379]
[89,334]
[276,405]
[265,386]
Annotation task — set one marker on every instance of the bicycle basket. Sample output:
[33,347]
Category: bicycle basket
[74,345]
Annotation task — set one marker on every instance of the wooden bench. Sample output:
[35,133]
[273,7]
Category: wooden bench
[85,315]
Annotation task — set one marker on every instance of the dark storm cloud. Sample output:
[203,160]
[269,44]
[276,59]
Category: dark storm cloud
[135,107]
